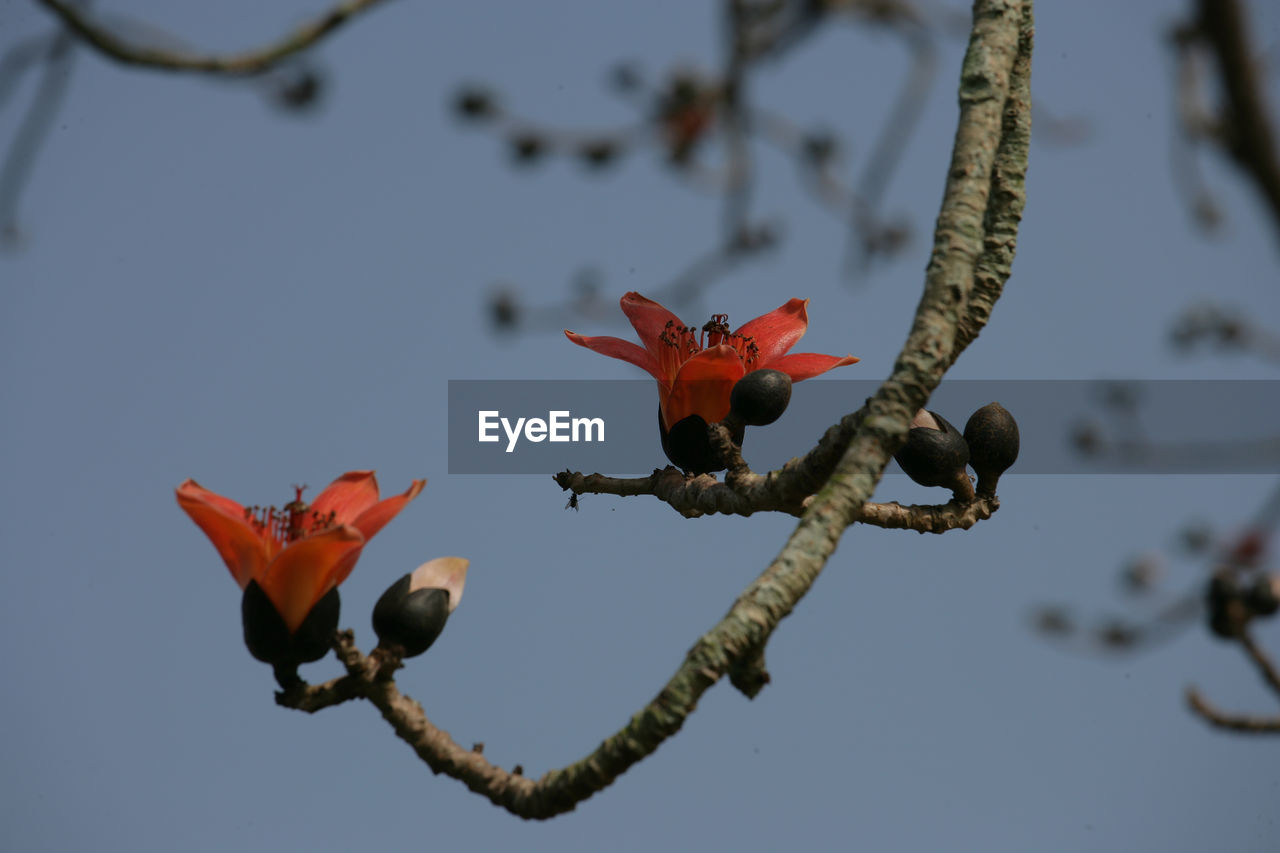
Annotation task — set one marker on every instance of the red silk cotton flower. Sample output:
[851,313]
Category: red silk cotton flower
[697,368]
[298,554]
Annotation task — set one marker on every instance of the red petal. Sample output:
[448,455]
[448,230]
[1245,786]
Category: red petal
[806,365]
[376,517]
[347,497]
[223,521]
[776,333]
[702,386]
[306,570]
[649,319]
[617,348]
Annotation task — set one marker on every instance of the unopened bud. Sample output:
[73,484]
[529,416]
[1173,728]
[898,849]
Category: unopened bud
[992,436]
[935,454]
[413,611]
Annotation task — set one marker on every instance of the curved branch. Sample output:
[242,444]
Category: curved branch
[238,64]
[1001,33]
[1234,722]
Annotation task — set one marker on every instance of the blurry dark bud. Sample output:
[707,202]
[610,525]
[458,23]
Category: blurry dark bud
[992,437]
[1230,331]
[473,103]
[1118,636]
[883,239]
[760,397]
[819,148]
[1206,213]
[1248,549]
[527,147]
[1087,439]
[1053,621]
[626,77]
[1196,537]
[935,454]
[1119,396]
[751,239]
[1195,323]
[504,310]
[1225,607]
[598,153]
[1142,574]
[689,447]
[413,611]
[299,89]
[270,641]
[684,112]
[1263,597]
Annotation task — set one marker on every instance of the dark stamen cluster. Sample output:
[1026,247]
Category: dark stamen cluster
[296,521]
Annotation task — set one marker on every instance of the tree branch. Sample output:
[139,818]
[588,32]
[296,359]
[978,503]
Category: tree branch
[1234,722]
[1248,136]
[1242,722]
[239,64]
[1002,33]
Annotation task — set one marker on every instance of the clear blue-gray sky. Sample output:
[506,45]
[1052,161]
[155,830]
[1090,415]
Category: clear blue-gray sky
[210,289]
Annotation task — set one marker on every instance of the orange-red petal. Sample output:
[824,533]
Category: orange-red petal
[305,571]
[223,521]
[776,333]
[806,365]
[618,348]
[347,497]
[702,386]
[376,517]
[650,320]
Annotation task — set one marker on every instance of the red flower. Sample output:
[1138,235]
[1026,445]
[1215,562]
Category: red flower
[696,368]
[297,554]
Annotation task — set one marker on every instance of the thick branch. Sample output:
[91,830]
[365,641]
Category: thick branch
[239,64]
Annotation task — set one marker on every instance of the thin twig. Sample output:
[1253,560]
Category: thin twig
[1234,722]
[250,62]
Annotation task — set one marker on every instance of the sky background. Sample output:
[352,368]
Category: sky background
[207,287]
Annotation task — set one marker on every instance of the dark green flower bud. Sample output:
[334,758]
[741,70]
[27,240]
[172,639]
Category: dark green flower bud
[1263,597]
[760,397]
[689,447]
[1225,607]
[269,639]
[935,454]
[992,436]
[413,611]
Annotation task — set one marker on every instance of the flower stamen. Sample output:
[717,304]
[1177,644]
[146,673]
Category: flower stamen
[279,527]
[684,342]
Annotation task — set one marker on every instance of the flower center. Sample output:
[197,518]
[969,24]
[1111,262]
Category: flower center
[295,521]
[684,342]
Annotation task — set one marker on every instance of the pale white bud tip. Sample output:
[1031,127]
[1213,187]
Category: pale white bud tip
[447,573]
